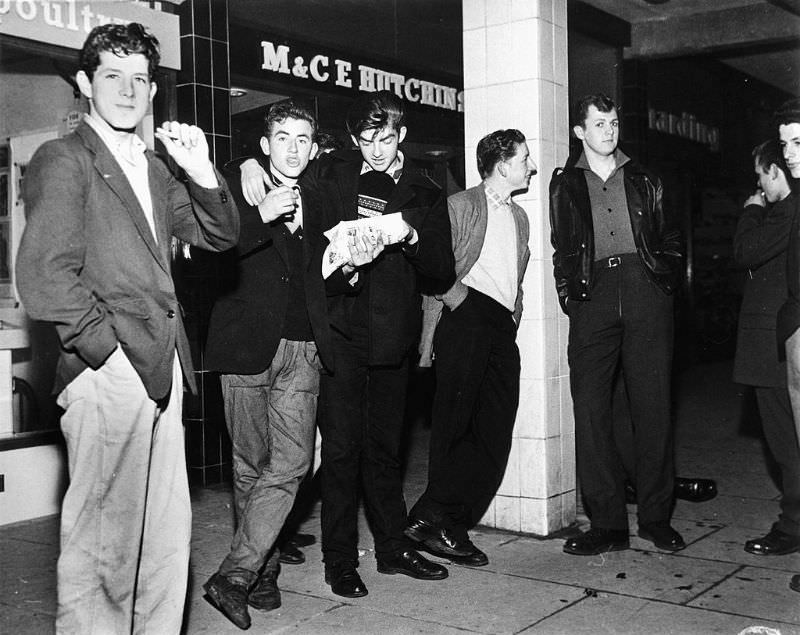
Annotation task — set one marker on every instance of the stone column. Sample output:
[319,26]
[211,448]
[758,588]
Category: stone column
[515,76]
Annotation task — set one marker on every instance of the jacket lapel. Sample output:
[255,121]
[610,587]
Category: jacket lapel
[113,176]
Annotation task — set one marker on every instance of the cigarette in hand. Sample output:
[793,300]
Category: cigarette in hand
[169,134]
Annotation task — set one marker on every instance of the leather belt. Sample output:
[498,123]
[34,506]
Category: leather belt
[611,262]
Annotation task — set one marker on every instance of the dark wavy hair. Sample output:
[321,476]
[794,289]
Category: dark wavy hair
[121,40]
[602,102]
[769,153]
[375,111]
[496,147]
[289,109]
[788,112]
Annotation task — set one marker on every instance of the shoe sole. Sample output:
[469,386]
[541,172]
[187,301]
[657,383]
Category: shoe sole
[782,552]
[622,546]
[454,559]
[423,539]
[215,598]
[394,571]
[646,536]
[794,583]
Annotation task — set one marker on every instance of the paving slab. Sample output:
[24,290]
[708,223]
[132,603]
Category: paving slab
[353,620]
[756,592]
[646,574]
[28,575]
[755,513]
[726,544]
[295,610]
[25,620]
[618,615]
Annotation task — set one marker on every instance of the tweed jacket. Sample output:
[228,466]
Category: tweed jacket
[469,214]
[89,263]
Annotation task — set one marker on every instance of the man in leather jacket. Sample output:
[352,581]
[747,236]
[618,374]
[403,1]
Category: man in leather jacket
[617,261]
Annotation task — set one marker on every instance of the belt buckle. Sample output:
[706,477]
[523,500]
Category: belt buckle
[614,261]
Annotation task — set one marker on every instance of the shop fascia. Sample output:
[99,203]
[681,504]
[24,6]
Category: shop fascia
[686,126]
[68,22]
[323,69]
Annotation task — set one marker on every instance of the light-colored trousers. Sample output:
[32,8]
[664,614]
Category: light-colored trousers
[126,516]
[793,376]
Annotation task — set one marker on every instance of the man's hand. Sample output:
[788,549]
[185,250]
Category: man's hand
[282,200]
[188,147]
[756,199]
[255,181]
[362,251]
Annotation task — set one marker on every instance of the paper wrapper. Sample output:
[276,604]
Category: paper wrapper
[337,252]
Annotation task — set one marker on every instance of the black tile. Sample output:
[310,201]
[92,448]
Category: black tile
[222,150]
[202,60]
[202,17]
[186,74]
[219,20]
[185,15]
[219,65]
[205,113]
[186,101]
[222,112]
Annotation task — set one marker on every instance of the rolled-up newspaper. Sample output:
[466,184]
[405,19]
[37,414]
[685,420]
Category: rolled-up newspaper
[337,252]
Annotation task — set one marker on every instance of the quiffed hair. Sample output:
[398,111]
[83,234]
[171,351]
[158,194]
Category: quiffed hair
[496,147]
[289,109]
[602,102]
[788,112]
[375,111]
[121,40]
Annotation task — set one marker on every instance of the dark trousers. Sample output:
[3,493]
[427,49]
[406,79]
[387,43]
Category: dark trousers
[362,429]
[477,392]
[779,431]
[628,321]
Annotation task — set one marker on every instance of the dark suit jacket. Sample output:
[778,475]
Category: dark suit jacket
[395,279]
[789,314]
[89,264]
[247,321]
[760,243]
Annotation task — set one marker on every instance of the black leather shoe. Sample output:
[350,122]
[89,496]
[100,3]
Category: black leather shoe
[475,559]
[265,595]
[597,541]
[437,540]
[662,535]
[230,598]
[290,554]
[794,583]
[303,540]
[344,580]
[411,563]
[775,543]
[695,490]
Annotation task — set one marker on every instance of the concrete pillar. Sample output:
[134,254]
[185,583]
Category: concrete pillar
[515,76]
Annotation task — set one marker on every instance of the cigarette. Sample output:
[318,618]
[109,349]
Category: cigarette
[166,133]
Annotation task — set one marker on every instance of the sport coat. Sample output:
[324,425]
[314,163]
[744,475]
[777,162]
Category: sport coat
[396,277]
[760,244]
[248,319]
[89,263]
[469,215]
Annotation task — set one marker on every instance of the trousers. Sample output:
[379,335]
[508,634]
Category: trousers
[271,418]
[126,516]
[629,322]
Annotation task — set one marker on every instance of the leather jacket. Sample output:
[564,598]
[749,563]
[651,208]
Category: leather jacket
[572,231]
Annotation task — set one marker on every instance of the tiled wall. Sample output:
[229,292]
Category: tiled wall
[203,98]
[515,76]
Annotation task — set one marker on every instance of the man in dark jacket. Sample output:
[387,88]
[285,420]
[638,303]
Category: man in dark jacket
[616,263]
[269,336]
[375,313]
[760,243]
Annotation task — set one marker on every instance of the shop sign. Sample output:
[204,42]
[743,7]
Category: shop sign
[686,126]
[67,22]
[335,71]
